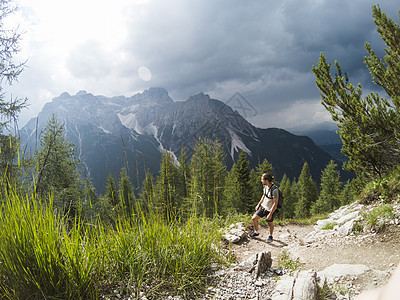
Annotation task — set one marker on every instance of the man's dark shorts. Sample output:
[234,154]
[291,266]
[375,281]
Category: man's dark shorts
[262,212]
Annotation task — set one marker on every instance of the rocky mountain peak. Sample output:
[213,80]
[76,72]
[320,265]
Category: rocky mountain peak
[153,96]
[199,97]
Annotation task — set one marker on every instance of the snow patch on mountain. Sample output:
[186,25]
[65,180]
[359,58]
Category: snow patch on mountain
[236,144]
[104,130]
[152,129]
[130,121]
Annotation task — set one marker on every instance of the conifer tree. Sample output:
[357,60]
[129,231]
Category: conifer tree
[287,211]
[184,175]
[244,187]
[347,193]
[147,195]
[369,127]
[208,172]
[9,71]
[167,200]
[89,200]
[306,192]
[111,191]
[126,194]
[231,193]
[331,185]
[57,168]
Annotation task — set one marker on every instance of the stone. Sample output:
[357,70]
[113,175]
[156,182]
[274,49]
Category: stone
[316,235]
[284,288]
[235,233]
[347,217]
[305,286]
[346,228]
[336,271]
[256,264]
[264,263]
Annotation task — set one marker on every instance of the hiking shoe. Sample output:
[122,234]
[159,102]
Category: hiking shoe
[254,234]
[270,239]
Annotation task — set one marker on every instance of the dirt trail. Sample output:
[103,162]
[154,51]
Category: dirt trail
[379,251]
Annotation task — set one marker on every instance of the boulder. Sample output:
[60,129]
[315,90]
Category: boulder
[235,233]
[284,288]
[256,264]
[335,271]
[305,286]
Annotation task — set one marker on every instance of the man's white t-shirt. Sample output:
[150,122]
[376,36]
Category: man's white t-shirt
[269,202]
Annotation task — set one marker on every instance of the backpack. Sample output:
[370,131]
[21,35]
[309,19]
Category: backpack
[280,195]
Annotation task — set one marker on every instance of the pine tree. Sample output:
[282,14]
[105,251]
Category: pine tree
[246,204]
[184,175]
[57,168]
[369,127]
[111,191]
[331,185]
[10,171]
[208,173]
[307,192]
[167,201]
[147,195]
[347,193]
[89,201]
[126,194]
[9,68]
[231,192]
[288,209]
[108,206]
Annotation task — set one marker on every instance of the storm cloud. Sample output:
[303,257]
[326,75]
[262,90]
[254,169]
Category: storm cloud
[263,50]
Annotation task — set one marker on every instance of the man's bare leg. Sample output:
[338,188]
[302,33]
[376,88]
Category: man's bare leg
[255,222]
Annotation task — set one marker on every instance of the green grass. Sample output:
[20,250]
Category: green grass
[41,259]
[284,261]
[376,218]
[329,226]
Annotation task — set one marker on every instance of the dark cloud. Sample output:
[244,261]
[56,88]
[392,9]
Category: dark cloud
[263,49]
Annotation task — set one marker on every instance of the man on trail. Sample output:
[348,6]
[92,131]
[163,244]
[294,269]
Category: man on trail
[267,206]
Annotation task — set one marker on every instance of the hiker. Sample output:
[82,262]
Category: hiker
[267,206]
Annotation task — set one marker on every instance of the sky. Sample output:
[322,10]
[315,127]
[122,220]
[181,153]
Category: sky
[254,55]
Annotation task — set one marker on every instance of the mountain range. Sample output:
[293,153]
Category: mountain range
[112,132]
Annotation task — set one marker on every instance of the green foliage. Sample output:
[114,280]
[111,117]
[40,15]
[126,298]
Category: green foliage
[126,194]
[357,228]
[208,173]
[369,127]
[238,194]
[41,259]
[9,68]
[377,217]
[331,185]
[347,194]
[329,226]
[306,192]
[284,261]
[57,170]
[168,202]
[384,189]
[288,209]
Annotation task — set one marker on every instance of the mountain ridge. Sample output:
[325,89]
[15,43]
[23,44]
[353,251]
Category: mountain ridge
[113,131]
